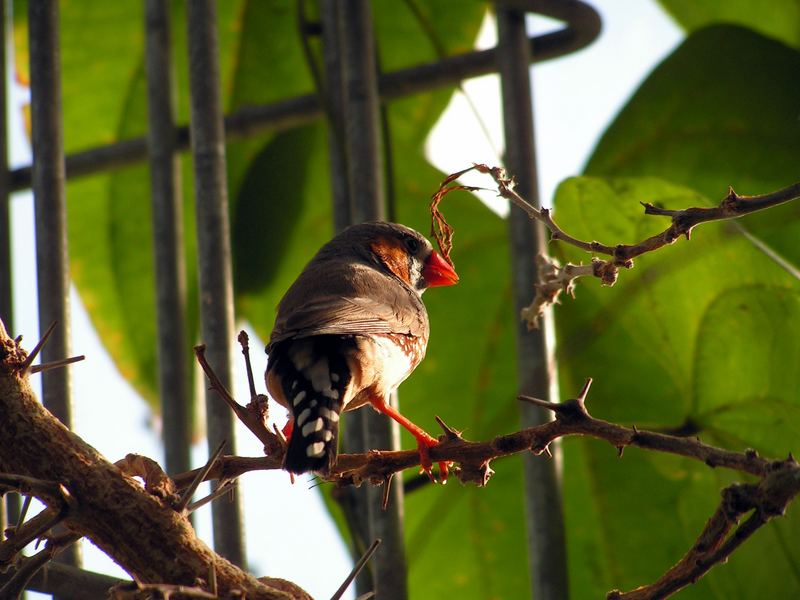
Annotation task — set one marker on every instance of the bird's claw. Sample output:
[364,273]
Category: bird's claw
[424,444]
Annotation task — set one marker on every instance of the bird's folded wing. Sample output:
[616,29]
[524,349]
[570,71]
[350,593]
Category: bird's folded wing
[341,315]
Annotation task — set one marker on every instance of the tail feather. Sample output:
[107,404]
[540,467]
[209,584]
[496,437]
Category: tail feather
[314,377]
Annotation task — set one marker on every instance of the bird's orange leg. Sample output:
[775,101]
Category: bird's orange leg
[287,433]
[424,441]
[287,429]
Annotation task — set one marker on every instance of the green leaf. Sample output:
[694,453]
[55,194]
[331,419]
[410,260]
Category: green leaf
[720,111]
[700,334]
[779,19]
[109,215]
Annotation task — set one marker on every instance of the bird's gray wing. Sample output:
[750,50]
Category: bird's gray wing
[348,299]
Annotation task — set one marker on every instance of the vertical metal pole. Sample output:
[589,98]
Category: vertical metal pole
[6,305]
[362,143]
[352,501]
[333,97]
[165,186]
[50,209]
[536,365]
[9,503]
[214,250]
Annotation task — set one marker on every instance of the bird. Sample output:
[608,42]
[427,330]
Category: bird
[347,332]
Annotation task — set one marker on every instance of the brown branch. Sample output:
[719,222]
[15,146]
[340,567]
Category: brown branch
[572,418]
[621,255]
[24,534]
[152,541]
[716,543]
[252,415]
[780,480]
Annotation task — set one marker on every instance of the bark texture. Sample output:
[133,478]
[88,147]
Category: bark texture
[140,531]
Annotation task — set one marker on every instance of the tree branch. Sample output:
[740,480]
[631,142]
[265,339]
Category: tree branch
[780,480]
[557,279]
[716,542]
[141,532]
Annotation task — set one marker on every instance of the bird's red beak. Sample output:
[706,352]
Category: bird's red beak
[438,272]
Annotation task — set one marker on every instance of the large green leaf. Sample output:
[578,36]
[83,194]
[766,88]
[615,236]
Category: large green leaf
[699,333]
[778,18]
[720,111]
[109,215]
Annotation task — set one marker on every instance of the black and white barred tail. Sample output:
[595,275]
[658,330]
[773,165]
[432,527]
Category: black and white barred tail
[314,376]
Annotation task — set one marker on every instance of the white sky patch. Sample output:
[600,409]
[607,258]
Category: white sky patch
[574,97]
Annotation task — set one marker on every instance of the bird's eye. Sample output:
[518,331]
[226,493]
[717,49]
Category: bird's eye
[412,244]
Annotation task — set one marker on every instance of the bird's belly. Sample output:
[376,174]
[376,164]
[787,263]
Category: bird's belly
[384,362]
[396,363]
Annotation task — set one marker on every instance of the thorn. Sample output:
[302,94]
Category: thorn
[620,450]
[356,569]
[539,402]
[244,340]
[26,365]
[225,488]
[56,364]
[584,391]
[18,340]
[546,450]
[387,487]
[451,433]
[201,475]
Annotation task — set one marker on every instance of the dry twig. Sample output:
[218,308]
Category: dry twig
[555,279]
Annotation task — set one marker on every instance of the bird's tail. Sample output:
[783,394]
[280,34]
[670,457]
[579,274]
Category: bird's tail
[314,376]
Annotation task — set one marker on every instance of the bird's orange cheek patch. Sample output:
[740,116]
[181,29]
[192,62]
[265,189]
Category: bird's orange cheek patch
[393,256]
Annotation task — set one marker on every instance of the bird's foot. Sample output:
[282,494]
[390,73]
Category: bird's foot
[424,444]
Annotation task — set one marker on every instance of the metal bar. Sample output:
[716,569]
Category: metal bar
[167,199]
[362,142]
[9,503]
[361,114]
[214,251]
[352,501]
[50,210]
[536,364]
[6,279]
[332,99]
[582,27]
[71,582]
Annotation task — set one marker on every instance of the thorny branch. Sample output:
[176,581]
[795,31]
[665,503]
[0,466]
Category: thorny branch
[140,529]
[555,279]
[779,480]
[778,485]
